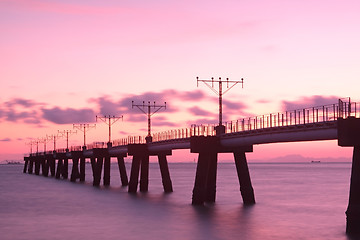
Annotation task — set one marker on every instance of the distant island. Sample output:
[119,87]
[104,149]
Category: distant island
[11,162]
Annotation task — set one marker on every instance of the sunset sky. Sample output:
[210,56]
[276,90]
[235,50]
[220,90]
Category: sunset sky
[63,62]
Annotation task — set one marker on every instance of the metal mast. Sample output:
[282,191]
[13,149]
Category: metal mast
[84,127]
[149,106]
[109,120]
[220,93]
[53,138]
[30,144]
[66,133]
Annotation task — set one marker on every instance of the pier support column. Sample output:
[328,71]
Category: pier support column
[82,169]
[206,170]
[59,169]
[65,172]
[134,174]
[51,162]
[199,190]
[107,171]
[349,136]
[31,165]
[97,168]
[353,210]
[75,170]
[211,178]
[246,189]
[122,170]
[144,174]
[37,165]
[165,174]
[45,167]
[26,165]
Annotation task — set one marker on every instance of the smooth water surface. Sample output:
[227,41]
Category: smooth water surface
[294,201]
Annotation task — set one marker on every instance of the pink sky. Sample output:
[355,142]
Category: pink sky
[63,62]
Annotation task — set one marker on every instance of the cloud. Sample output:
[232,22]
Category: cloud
[202,121]
[5,140]
[21,102]
[135,118]
[164,123]
[69,115]
[307,102]
[192,95]
[19,109]
[200,112]
[36,113]
[238,106]
[109,107]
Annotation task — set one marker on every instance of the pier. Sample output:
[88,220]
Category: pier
[339,121]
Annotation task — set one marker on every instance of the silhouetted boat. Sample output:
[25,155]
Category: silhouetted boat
[315,162]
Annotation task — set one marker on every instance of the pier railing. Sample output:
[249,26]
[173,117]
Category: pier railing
[312,115]
[320,114]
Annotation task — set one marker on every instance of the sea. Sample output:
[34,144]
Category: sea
[293,201]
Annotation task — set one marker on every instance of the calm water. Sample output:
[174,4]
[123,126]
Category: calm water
[294,201]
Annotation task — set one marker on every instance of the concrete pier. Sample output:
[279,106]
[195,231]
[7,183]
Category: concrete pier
[107,171]
[199,190]
[31,165]
[246,189]
[65,172]
[75,170]
[205,180]
[26,159]
[349,136]
[134,174]
[37,165]
[122,171]
[144,173]
[45,167]
[82,169]
[211,178]
[59,169]
[165,173]
[96,164]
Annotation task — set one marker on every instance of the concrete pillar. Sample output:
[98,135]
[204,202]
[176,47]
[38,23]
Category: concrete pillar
[37,166]
[26,165]
[134,174]
[122,170]
[82,169]
[199,191]
[144,174]
[45,167]
[165,174]
[93,168]
[31,165]
[107,171]
[75,170]
[59,169]
[65,172]
[246,189]
[97,168]
[353,210]
[51,162]
[211,178]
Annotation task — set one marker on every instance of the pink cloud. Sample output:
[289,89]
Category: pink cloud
[69,115]
[200,112]
[306,102]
